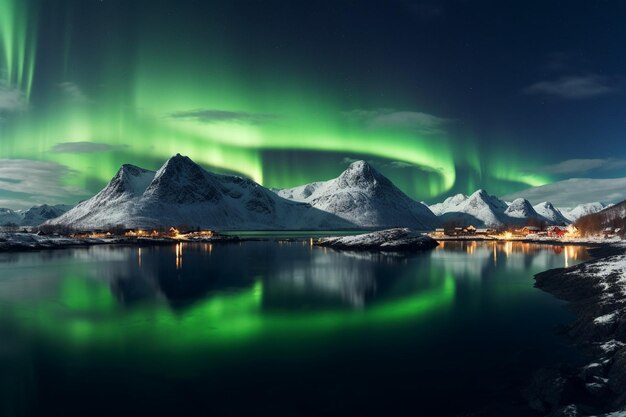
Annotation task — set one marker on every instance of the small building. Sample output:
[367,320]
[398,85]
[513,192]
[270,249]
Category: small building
[440,231]
[471,229]
[608,232]
[557,231]
[529,230]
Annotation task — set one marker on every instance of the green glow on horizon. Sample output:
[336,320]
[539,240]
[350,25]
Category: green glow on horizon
[130,103]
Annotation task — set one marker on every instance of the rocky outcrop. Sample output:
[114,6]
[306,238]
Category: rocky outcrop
[596,292]
[400,239]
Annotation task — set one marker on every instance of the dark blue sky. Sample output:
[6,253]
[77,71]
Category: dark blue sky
[466,94]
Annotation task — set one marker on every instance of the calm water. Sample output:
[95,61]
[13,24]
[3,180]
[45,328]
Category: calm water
[268,328]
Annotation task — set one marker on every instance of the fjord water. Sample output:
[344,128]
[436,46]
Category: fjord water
[275,328]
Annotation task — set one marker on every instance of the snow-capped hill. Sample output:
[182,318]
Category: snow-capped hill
[9,217]
[183,193]
[113,205]
[181,181]
[551,214]
[484,210]
[584,209]
[366,198]
[34,216]
[361,175]
[301,193]
[615,211]
[481,198]
[39,214]
[449,204]
[479,209]
[130,180]
[521,209]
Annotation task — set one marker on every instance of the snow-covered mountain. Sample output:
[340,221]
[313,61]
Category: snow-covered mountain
[183,193]
[551,213]
[520,211]
[584,209]
[364,197]
[484,210]
[479,209]
[8,216]
[34,216]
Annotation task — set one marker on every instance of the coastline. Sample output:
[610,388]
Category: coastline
[23,242]
[595,291]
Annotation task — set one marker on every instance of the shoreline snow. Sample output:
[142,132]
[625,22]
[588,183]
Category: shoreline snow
[596,292]
[399,239]
[19,242]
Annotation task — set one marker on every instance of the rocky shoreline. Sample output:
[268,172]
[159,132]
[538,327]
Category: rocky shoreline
[20,242]
[596,293]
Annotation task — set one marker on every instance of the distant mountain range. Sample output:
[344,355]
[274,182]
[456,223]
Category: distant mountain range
[33,216]
[181,193]
[483,210]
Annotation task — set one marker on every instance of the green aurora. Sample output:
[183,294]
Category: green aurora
[142,95]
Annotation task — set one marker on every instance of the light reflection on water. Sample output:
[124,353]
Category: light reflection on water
[195,308]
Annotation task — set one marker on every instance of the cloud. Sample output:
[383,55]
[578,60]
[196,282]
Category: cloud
[347,160]
[85,147]
[74,93]
[219,116]
[401,164]
[24,183]
[574,191]
[11,99]
[385,164]
[573,87]
[580,166]
[390,118]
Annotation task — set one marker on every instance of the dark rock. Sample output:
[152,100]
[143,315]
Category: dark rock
[567,411]
[617,373]
[385,240]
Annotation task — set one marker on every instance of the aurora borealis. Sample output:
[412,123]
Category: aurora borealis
[282,93]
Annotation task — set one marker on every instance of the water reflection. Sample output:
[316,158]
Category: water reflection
[473,259]
[255,282]
[258,305]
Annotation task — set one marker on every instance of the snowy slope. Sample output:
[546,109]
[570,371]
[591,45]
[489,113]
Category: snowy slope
[483,210]
[551,213]
[183,193]
[614,211]
[480,209]
[34,216]
[584,209]
[114,205]
[449,204]
[520,211]
[8,216]
[39,214]
[363,196]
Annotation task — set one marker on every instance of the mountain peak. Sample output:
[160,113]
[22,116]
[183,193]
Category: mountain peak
[520,202]
[180,165]
[361,174]
[178,160]
[480,193]
[359,165]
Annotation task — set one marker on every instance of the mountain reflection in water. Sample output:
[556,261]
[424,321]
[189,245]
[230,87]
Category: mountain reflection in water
[257,316]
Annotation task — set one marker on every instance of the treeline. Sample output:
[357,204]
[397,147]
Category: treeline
[613,218]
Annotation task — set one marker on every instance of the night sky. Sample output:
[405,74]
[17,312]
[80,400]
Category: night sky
[442,97]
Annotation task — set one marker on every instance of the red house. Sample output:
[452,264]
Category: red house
[557,231]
